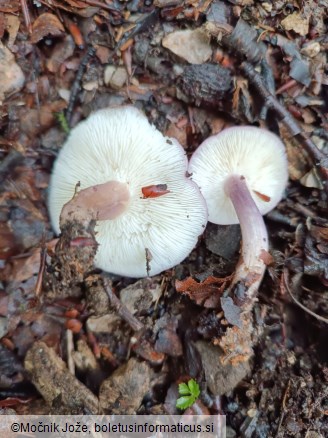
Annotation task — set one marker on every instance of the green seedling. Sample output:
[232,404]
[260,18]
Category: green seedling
[189,393]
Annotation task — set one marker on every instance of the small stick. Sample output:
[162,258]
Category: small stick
[75,32]
[43,255]
[270,84]
[121,309]
[315,315]
[70,349]
[26,15]
[77,82]
[140,26]
[283,407]
[289,84]
[28,24]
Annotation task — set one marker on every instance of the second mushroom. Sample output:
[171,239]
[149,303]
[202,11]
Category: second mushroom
[133,183]
[242,173]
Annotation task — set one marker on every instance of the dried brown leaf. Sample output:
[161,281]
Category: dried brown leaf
[85,12]
[206,293]
[46,24]
[12,26]
[9,6]
[11,75]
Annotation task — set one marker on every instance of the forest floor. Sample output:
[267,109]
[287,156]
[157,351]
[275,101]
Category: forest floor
[193,67]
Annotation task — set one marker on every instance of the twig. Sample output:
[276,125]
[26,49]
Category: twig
[268,79]
[141,25]
[319,158]
[283,407]
[28,24]
[77,82]
[43,255]
[26,15]
[35,80]
[121,309]
[70,349]
[12,159]
[315,315]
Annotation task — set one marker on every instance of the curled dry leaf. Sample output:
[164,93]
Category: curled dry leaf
[297,23]
[206,293]
[46,24]
[11,24]
[62,51]
[11,76]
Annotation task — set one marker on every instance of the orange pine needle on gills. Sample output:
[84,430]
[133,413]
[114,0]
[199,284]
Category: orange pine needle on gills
[154,191]
[264,198]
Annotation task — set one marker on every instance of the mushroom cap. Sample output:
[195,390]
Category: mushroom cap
[119,144]
[254,153]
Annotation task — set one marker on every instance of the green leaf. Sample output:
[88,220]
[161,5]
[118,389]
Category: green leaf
[184,389]
[189,391]
[193,388]
[185,402]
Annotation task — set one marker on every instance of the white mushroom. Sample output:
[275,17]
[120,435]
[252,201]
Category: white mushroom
[242,173]
[134,180]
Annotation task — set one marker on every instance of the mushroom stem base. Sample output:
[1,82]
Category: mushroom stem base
[251,265]
[100,202]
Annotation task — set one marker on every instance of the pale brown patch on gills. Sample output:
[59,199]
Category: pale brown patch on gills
[104,201]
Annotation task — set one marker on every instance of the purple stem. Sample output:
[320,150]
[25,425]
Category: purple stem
[251,266]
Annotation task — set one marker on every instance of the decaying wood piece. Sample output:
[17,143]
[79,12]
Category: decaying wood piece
[206,84]
[55,382]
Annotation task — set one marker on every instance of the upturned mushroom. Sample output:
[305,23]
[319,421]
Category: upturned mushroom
[132,181]
[242,173]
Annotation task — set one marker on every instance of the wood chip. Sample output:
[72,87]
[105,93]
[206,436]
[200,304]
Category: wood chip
[54,381]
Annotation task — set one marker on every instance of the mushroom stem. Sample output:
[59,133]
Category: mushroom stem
[251,266]
[99,202]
